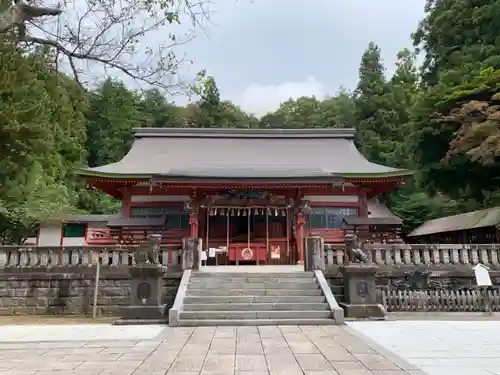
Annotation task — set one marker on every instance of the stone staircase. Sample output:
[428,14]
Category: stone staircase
[254,299]
[337,288]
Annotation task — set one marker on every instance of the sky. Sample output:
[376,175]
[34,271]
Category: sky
[262,52]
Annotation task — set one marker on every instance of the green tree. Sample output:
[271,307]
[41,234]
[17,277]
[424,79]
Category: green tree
[113,113]
[210,107]
[157,112]
[42,137]
[303,112]
[309,112]
[234,116]
[458,39]
[377,128]
[338,111]
[459,141]
[403,87]
[212,112]
[461,52]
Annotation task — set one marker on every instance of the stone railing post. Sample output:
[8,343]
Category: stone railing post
[494,257]
[4,257]
[436,258]
[339,256]
[474,259]
[191,253]
[329,257]
[314,258]
[426,255]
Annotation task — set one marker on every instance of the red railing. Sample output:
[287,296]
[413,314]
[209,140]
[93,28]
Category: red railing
[106,236]
[329,235]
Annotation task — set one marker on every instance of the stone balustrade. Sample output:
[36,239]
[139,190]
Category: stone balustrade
[472,299]
[422,254]
[58,256]
[384,255]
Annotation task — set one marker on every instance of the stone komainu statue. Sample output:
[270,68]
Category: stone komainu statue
[353,250]
[147,253]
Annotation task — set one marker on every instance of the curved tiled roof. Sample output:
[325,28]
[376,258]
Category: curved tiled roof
[244,153]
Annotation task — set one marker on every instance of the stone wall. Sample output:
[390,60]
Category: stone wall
[69,290]
[447,277]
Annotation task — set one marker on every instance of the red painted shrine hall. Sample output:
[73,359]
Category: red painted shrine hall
[252,195]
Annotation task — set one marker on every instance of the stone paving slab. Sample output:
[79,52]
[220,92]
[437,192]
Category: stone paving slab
[270,350]
[77,332]
[440,347]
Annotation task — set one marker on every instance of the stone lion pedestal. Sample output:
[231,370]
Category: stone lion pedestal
[360,300]
[146,302]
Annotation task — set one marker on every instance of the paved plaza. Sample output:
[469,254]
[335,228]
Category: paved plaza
[407,347]
[440,347]
[154,350]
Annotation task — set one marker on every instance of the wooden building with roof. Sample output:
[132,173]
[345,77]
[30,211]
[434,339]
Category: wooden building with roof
[381,226]
[250,194]
[477,227]
[70,231]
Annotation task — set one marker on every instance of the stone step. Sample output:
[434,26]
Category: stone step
[253,292]
[253,299]
[242,285]
[254,277]
[253,322]
[238,275]
[305,280]
[256,306]
[238,315]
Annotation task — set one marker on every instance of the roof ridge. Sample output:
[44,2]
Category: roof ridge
[346,133]
[466,213]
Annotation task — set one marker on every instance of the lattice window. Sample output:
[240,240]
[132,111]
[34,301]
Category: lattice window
[74,230]
[329,217]
[175,218]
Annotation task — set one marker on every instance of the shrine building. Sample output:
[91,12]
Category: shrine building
[251,195]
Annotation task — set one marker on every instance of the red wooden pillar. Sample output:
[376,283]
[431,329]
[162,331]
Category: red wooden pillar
[193,221]
[363,202]
[126,202]
[301,220]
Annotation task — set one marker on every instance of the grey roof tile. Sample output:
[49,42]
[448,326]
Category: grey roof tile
[489,217]
[244,153]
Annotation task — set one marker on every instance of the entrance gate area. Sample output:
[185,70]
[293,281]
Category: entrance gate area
[257,235]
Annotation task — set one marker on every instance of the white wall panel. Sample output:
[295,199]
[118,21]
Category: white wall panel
[73,241]
[49,236]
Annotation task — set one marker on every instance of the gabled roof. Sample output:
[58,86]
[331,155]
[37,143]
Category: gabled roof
[380,210]
[131,222]
[243,153]
[378,214]
[93,218]
[476,219]
[356,221]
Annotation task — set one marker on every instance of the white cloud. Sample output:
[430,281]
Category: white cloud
[261,99]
